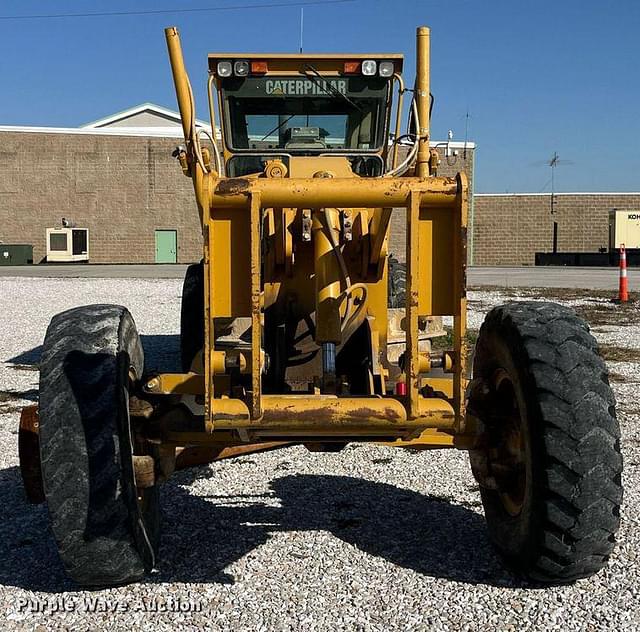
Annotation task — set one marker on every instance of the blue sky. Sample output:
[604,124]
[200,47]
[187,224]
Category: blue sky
[536,77]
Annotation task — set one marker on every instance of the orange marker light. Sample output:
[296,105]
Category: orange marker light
[259,67]
[351,67]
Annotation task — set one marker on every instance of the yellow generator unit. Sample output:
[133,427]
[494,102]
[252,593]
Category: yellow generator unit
[291,332]
[624,229]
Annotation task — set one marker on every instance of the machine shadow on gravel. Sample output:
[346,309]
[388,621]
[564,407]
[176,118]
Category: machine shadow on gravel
[161,353]
[427,534]
[28,555]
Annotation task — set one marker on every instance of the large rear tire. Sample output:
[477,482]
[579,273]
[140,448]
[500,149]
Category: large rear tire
[550,465]
[107,530]
[396,284]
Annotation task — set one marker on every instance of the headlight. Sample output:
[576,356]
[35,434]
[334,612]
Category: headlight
[386,69]
[369,67]
[224,69]
[241,68]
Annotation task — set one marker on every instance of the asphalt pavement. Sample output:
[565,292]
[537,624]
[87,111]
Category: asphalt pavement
[552,277]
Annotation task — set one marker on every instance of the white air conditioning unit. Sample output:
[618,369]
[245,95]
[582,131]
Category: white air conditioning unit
[67,244]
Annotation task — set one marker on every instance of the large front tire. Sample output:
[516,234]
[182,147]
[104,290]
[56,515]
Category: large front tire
[550,466]
[106,529]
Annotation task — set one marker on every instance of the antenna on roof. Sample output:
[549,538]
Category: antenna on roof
[466,133]
[553,162]
[301,26]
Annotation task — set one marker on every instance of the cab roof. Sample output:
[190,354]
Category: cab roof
[292,62]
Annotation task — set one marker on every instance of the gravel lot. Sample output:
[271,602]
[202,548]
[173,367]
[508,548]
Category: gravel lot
[369,538]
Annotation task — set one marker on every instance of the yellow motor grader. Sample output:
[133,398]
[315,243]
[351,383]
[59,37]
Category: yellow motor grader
[288,336]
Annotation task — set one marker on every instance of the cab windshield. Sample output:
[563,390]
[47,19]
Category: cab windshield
[305,114]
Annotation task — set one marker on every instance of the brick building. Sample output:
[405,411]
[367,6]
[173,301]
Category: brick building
[116,177]
[454,157]
[508,229]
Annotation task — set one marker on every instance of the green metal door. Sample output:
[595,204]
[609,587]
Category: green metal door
[166,246]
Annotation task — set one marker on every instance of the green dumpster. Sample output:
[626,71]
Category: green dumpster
[16,254]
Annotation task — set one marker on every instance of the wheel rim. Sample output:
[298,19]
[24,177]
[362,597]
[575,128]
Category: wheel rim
[507,456]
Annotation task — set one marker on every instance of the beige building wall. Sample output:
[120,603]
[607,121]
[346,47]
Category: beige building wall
[449,166]
[122,188]
[510,228]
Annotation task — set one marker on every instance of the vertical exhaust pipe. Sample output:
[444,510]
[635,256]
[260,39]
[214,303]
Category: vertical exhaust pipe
[196,160]
[423,98]
[181,82]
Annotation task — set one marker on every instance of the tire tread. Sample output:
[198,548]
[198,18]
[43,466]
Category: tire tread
[80,433]
[580,489]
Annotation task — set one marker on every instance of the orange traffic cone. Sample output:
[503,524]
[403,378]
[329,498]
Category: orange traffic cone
[623,291]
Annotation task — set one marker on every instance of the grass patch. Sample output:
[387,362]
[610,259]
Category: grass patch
[554,293]
[12,408]
[629,411]
[24,367]
[619,354]
[597,307]
[14,396]
[7,402]
[603,314]
[618,378]
[444,343]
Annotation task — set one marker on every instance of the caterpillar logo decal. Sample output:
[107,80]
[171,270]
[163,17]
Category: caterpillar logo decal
[304,87]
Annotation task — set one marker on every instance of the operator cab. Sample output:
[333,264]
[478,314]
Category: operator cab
[280,106]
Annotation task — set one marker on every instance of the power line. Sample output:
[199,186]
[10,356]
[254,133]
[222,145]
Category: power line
[239,7]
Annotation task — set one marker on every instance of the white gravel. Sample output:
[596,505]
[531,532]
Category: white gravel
[368,539]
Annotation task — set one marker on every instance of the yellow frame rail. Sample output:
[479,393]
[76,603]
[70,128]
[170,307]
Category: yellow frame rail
[232,211]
